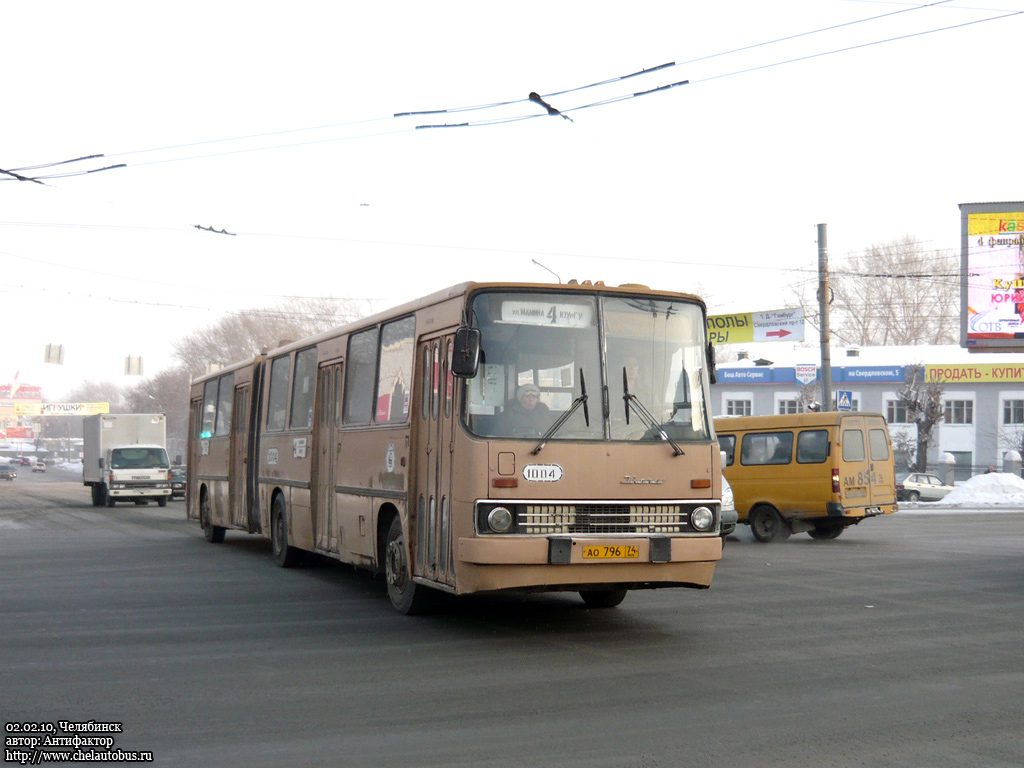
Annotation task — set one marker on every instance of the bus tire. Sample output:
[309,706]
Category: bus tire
[406,596]
[213,533]
[602,598]
[766,524]
[285,555]
[826,532]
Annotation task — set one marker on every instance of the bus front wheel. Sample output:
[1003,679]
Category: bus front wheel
[767,525]
[284,555]
[602,598]
[406,596]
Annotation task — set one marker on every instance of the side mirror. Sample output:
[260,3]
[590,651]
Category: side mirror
[712,376]
[466,352]
[725,460]
[101,462]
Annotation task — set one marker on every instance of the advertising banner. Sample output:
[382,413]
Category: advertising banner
[993,276]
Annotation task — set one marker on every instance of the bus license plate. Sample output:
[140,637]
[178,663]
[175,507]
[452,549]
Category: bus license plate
[618,552]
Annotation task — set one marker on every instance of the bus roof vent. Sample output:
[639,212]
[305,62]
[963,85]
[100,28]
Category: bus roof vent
[639,286]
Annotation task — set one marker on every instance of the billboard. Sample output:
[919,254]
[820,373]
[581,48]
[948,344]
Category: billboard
[992,277]
[749,327]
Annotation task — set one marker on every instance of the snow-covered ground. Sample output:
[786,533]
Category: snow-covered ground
[996,492]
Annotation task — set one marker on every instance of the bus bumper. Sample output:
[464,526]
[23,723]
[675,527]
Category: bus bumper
[559,562]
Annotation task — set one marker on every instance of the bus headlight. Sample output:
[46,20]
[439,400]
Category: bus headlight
[499,520]
[702,519]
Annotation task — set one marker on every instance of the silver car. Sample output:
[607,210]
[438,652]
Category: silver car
[917,486]
[729,515]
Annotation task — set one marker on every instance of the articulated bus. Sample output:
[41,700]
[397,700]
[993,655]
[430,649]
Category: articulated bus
[492,436]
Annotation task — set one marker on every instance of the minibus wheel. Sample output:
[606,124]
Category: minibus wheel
[767,524]
[602,598]
[826,532]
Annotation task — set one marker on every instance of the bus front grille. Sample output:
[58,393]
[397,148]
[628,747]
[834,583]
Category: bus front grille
[604,518]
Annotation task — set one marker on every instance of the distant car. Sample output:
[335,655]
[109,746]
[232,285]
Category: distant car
[918,486]
[8,471]
[179,476]
[25,461]
[39,466]
[729,515]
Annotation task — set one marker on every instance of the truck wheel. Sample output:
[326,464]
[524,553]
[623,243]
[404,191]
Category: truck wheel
[602,598]
[161,501]
[213,533]
[406,595]
[767,524]
[107,498]
[284,555]
[97,495]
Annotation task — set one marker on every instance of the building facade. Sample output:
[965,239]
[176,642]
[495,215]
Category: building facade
[983,396]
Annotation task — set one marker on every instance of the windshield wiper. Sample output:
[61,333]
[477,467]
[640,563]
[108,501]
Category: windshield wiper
[581,400]
[645,415]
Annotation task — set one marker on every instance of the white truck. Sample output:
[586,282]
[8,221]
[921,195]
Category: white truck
[124,458]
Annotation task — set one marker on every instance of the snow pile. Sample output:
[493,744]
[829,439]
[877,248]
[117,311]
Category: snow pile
[998,489]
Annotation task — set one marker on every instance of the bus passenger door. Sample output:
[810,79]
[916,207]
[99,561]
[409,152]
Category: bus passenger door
[430,514]
[238,486]
[325,443]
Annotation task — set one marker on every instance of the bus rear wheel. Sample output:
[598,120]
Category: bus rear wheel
[284,555]
[767,525]
[406,596]
[213,533]
[602,598]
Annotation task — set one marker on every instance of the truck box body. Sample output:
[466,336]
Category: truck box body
[124,458]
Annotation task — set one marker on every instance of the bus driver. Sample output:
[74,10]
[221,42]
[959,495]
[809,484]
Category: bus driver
[526,415]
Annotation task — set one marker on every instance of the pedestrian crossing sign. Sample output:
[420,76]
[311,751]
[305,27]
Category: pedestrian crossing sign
[844,400]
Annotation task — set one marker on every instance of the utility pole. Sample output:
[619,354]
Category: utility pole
[823,302]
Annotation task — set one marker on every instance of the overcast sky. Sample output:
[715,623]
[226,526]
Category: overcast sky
[275,122]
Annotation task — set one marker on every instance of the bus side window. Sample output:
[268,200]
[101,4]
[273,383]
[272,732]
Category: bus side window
[277,398]
[360,372]
[812,446]
[225,401]
[209,408]
[728,444]
[302,394]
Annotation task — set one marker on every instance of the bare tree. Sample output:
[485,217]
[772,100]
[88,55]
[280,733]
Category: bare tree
[893,293]
[924,406]
[243,334]
[165,393]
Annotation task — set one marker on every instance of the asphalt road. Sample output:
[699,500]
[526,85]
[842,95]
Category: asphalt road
[899,644]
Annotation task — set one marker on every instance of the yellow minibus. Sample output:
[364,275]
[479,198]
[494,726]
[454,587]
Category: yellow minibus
[813,472]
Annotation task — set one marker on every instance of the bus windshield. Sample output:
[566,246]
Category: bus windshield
[541,351]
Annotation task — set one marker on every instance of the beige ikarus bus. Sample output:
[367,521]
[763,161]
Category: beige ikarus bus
[817,473]
[488,437]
